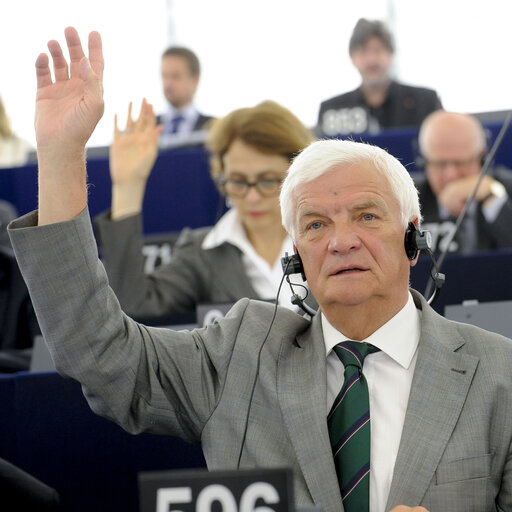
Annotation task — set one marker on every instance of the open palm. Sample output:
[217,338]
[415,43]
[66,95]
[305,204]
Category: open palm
[68,109]
[134,150]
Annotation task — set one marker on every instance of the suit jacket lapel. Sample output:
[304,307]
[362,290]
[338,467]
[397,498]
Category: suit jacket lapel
[440,384]
[302,393]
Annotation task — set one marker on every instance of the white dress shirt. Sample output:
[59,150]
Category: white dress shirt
[389,376]
[265,278]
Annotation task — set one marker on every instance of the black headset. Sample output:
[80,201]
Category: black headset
[415,241]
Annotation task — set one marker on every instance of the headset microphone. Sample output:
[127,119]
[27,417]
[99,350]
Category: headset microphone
[417,240]
[293,265]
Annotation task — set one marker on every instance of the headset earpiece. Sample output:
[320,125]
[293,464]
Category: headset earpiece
[411,248]
[292,264]
[416,240]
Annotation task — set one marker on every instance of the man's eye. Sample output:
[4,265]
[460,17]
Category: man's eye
[315,225]
[368,216]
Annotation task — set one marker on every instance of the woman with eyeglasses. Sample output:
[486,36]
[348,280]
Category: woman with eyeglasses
[251,149]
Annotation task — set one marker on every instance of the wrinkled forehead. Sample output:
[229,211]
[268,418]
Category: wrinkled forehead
[360,181]
[355,172]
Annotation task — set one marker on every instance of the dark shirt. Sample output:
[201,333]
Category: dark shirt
[349,113]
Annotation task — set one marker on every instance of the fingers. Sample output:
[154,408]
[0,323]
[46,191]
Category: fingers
[129,120]
[60,66]
[147,117]
[77,67]
[96,54]
[116,128]
[143,123]
[75,50]
[43,75]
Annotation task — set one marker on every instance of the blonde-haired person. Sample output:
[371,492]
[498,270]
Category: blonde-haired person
[14,151]
[251,149]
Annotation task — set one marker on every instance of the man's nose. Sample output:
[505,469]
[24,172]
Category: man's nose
[450,172]
[344,239]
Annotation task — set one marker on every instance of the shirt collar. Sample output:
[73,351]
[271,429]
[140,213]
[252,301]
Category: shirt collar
[398,337]
[188,112]
[229,229]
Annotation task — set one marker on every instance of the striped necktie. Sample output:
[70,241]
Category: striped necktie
[349,428]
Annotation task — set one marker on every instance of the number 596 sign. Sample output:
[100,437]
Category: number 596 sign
[254,490]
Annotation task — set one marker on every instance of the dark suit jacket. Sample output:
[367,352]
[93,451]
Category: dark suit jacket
[495,235]
[202,121]
[455,449]
[405,105]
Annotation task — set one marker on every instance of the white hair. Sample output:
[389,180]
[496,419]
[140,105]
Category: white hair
[325,155]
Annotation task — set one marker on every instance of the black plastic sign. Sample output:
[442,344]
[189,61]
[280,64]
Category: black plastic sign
[251,490]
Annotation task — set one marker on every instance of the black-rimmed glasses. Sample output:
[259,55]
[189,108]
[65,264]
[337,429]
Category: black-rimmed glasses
[268,185]
[439,165]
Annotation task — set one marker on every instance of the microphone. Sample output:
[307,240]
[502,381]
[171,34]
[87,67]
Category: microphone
[293,265]
[485,168]
[298,301]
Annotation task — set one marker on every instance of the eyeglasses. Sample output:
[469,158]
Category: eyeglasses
[268,185]
[439,165]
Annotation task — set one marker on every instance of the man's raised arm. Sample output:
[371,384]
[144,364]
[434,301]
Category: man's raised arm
[67,111]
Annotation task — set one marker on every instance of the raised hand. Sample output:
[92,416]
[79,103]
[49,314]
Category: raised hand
[132,156]
[67,111]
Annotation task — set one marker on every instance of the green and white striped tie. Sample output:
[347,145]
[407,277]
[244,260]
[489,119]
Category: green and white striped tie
[349,428]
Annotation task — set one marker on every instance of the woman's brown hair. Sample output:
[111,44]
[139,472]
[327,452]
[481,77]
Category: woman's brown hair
[268,127]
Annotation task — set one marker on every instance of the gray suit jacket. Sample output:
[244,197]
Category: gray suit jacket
[455,451]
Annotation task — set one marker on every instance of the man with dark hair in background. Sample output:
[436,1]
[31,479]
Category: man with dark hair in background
[379,102]
[180,77]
